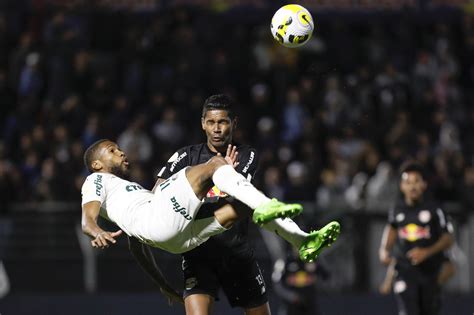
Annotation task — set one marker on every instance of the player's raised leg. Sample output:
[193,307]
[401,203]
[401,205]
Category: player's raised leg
[267,212]
[218,171]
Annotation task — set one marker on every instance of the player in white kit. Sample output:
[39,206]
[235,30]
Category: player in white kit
[165,218]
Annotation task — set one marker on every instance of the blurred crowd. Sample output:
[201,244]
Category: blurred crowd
[332,121]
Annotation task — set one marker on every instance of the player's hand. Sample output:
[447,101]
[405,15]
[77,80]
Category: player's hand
[102,239]
[418,255]
[172,296]
[385,257]
[231,155]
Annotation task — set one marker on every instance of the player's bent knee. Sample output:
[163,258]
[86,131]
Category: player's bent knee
[216,162]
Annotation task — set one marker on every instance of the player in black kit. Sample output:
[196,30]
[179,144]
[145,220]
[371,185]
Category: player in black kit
[294,282]
[418,232]
[227,261]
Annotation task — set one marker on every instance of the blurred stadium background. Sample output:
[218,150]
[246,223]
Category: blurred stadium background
[379,82]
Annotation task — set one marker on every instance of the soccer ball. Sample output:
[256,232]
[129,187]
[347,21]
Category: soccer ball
[292,25]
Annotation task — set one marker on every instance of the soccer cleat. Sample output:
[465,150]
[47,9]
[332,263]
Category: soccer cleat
[275,209]
[316,241]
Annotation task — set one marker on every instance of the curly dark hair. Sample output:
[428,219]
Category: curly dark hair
[91,154]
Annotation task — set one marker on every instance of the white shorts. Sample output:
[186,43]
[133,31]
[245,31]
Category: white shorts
[172,226]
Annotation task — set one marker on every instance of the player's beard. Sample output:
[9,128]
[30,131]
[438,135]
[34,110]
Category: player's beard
[119,170]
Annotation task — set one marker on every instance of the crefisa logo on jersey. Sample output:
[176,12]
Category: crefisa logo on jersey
[179,209]
[98,184]
[133,187]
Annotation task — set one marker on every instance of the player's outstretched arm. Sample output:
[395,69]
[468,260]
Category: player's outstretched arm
[100,238]
[146,260]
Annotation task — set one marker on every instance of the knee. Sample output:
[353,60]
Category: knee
[217,161]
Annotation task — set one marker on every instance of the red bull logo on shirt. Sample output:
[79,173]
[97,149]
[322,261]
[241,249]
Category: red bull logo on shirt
[301,279]
[215,192]
[412,232]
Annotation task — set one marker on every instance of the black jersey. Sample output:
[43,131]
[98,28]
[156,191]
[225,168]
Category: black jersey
[418,226]
[234,241]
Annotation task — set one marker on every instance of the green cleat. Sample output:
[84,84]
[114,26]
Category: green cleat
[316,241]
[275,209]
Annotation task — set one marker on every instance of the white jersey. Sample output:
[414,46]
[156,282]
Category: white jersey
[123,202]
[164,219]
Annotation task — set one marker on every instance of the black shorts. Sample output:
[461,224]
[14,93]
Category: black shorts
[240,278]
[417,295]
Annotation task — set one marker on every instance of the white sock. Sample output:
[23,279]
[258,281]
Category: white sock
[236,185]
[288,230]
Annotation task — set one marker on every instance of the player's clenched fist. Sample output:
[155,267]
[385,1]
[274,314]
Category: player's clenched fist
[102,239]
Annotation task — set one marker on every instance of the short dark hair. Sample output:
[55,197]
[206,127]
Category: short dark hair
[91,154]
[219,102]
[412,166]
